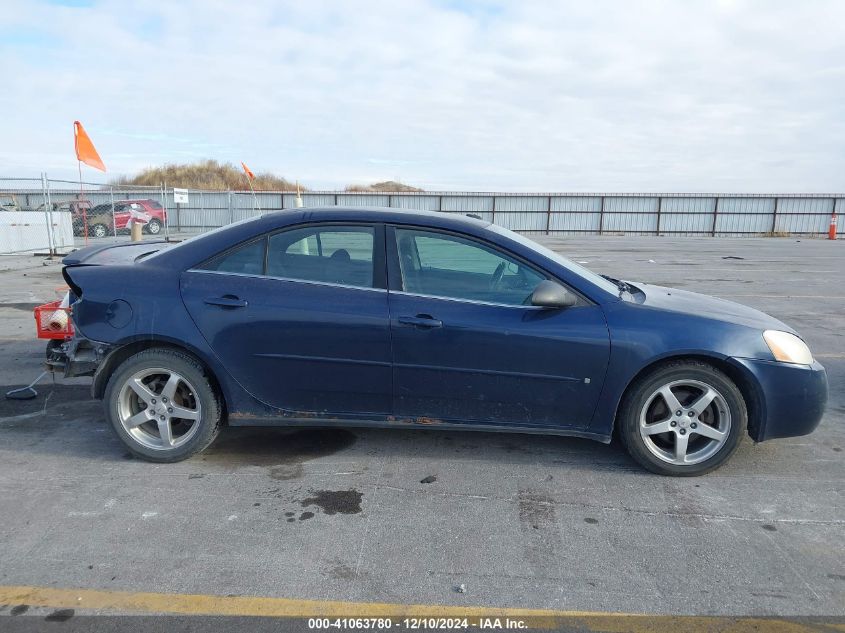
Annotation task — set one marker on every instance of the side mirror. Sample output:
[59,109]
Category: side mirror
[550,294]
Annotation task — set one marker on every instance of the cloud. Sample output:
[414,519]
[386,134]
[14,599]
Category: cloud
[730,95]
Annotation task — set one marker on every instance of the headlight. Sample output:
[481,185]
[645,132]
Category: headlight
[788,348]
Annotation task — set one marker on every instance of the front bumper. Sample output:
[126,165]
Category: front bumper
[791,398]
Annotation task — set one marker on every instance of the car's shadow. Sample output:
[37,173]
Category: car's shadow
[63,420]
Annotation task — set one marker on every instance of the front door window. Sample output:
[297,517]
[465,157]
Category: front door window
[444,265]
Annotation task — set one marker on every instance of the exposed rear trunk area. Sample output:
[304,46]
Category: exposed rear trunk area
[106,255]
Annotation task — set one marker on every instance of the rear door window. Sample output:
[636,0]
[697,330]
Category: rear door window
[244,260]
[331,254]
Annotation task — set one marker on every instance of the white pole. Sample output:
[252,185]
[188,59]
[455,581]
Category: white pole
[47,214]
[166,214]
[202,212]
[254,199]
[113,221]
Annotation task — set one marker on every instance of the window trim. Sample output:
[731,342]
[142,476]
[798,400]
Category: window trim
[396,282]
[471,301]
[285,279]
[379,258]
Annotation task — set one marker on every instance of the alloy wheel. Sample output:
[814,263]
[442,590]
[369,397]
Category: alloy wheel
[685,422]
[158,408]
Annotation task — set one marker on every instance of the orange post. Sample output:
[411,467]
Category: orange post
[831,232]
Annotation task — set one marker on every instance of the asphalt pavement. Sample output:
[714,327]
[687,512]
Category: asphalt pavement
[408,517]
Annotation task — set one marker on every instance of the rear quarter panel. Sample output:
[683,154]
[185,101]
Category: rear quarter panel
[150,309]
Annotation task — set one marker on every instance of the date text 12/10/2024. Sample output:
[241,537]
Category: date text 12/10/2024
[421,623]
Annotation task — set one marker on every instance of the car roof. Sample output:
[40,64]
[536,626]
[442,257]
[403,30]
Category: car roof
[382,214]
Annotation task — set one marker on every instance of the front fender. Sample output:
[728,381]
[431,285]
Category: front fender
[641,337]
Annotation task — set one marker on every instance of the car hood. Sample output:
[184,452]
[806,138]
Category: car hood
[707,307]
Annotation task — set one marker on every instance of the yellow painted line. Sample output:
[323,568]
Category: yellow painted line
[201,604]
[249,605]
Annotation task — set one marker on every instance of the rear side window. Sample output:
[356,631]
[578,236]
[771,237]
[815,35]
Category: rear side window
[331,254]
[246,260]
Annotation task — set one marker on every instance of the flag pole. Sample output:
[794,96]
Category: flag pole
[254,199]
[249,176]
[81,206]
[298,199]
[86,153]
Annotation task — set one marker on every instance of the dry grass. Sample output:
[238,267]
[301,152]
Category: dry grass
[208,175]
[388,185]
[212,175]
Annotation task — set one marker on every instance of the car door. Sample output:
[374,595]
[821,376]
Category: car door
[468,347]
[121,215]
[300,318]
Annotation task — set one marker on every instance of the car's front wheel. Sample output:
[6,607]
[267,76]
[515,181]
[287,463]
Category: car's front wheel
[99,230]
[162,405]
[685,418]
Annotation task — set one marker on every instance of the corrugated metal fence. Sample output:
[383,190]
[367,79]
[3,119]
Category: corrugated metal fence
[643,214]
[693,214]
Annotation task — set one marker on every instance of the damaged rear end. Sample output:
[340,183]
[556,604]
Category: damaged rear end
[97,278]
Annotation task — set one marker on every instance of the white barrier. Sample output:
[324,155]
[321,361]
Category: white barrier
[22,231]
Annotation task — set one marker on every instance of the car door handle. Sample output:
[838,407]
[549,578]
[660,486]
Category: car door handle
[227,301]
[421,320]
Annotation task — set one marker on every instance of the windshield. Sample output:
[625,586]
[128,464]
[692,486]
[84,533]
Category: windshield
[579,270]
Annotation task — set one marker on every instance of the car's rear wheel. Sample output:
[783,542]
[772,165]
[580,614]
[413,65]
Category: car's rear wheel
[153,227]
[99,230]
[162,405]
[685,418]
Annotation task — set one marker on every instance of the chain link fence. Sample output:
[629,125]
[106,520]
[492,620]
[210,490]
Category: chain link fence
[55,216]
[28,219]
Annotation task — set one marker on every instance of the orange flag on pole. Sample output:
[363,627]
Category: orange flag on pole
[247,171]
[85,151]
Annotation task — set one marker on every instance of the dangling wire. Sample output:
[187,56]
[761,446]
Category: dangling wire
[25,393]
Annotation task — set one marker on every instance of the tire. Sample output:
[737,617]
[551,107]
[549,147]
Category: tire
[143,399]
[153,227]
[694,442]
[99,230]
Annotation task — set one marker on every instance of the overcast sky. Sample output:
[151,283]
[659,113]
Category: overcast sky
[717,96]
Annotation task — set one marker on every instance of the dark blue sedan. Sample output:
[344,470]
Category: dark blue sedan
[390,318]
